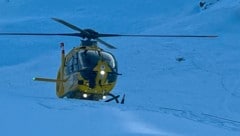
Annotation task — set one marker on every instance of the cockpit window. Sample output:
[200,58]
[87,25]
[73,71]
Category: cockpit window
[88,59]
[109,59]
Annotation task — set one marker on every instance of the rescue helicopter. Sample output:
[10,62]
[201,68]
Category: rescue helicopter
[88,72]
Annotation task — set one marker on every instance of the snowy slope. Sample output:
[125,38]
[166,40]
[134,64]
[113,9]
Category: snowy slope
[198,96]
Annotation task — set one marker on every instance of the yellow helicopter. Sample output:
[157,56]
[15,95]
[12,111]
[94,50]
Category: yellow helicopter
[88,72]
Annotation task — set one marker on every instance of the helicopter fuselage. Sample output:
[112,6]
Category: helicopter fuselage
[86,72]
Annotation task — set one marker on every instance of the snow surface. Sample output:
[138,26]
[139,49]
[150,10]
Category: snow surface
[164,97]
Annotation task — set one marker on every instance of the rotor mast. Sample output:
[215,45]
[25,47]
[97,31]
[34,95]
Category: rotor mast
[88,42]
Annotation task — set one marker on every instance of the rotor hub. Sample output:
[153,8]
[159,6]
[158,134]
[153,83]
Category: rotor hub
[90,34]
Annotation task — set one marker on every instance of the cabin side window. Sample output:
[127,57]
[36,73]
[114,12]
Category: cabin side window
[69,66]
[73,64]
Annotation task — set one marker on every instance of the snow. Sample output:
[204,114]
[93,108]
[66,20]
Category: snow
[198,96]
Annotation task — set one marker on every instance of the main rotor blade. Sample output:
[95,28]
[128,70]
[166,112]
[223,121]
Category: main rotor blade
[106,44]
[133,35]
[70,25]
[45,34]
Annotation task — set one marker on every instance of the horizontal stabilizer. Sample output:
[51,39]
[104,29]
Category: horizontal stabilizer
[47,79]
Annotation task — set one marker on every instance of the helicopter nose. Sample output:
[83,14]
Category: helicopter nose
[88,78]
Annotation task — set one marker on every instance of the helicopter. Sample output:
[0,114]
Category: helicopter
[88,72]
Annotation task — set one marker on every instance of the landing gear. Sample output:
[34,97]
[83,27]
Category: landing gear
[95,97]
[116,98]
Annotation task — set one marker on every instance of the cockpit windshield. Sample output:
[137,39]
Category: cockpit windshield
[84,61]
[89,59]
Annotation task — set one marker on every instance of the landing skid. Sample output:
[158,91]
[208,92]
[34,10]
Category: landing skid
[94,97]
[116,98]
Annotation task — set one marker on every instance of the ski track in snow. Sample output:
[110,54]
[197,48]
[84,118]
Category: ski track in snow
[202,117]
[197,117]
